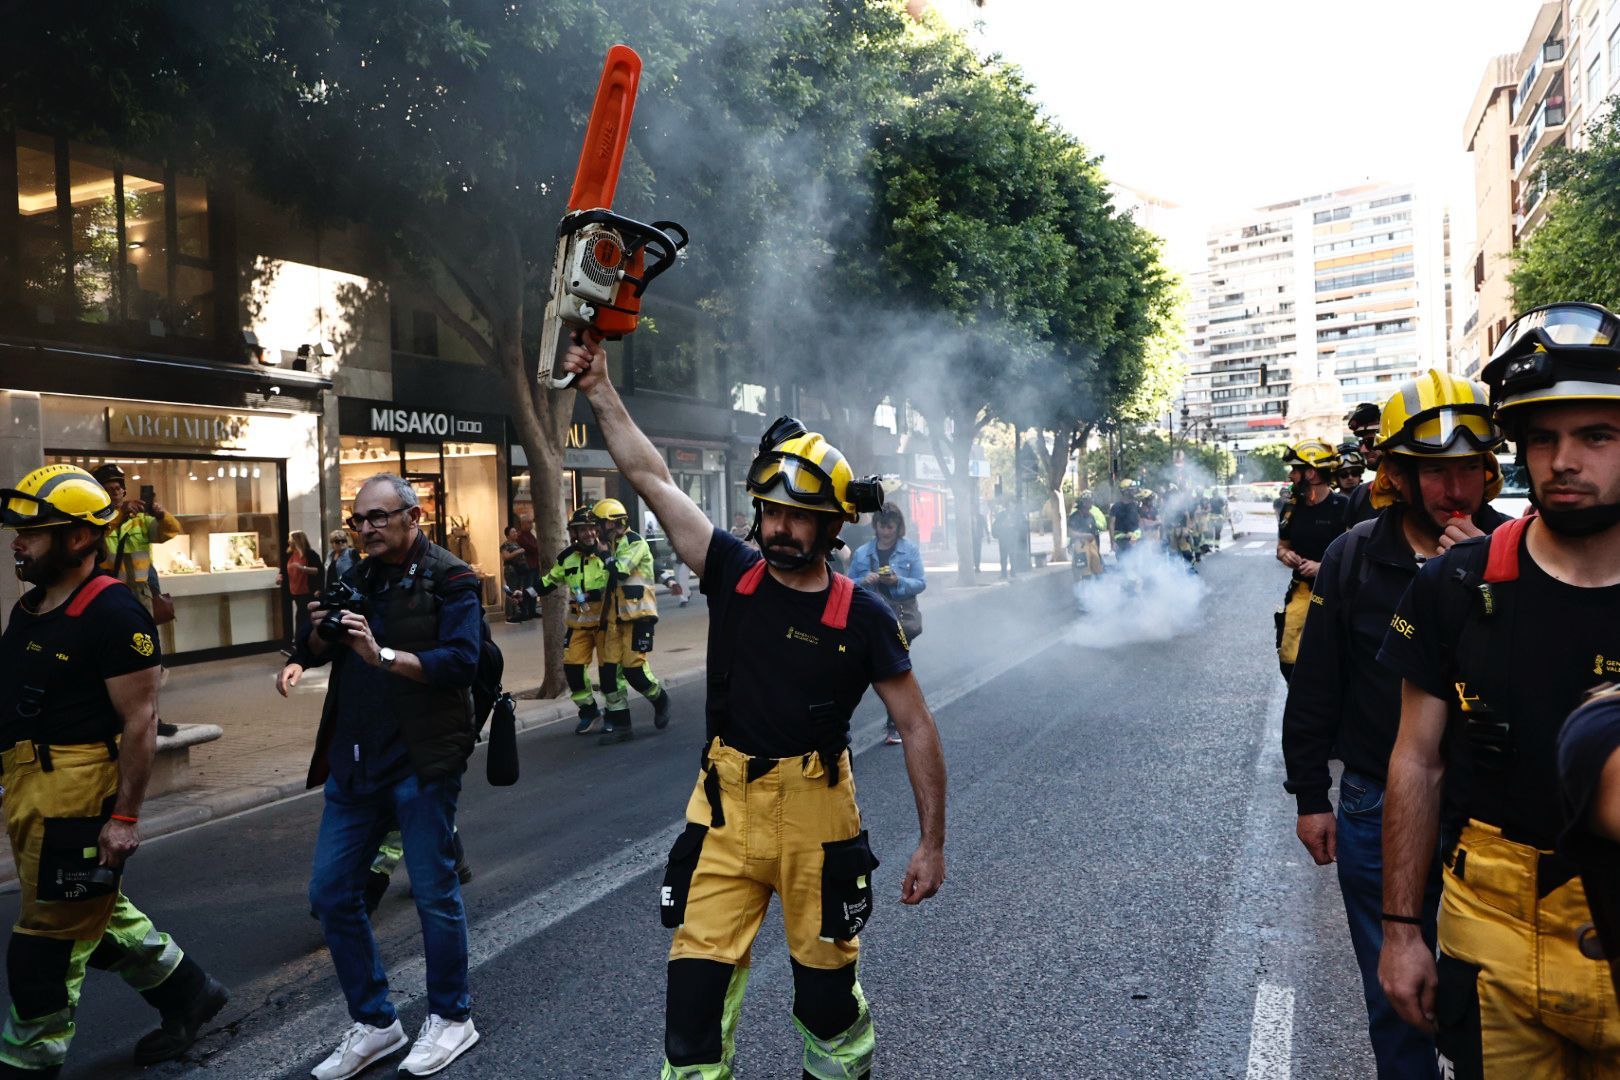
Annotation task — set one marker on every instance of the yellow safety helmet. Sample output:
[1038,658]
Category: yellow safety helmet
[1312,454]
[56,495]
[799,468]
[1438,415]
[610,510]
[1558,352]
[1126,484]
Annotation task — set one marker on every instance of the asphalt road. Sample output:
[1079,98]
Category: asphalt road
[1124,893]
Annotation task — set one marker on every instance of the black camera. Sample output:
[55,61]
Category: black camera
[338,598]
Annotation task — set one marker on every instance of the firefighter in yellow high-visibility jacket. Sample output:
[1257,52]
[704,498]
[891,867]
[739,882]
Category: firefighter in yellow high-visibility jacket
[630,612]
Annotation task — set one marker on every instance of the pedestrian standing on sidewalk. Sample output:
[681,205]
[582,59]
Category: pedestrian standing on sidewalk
[1437,476]
[303,577]
[79,665]
[342,558]
[891,566]
[793,647]
[514,574]
[395,735]
[531,567]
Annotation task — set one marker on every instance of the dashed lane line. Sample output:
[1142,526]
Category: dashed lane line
[1271,1035]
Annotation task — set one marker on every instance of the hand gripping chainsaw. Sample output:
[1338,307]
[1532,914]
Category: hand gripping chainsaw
[604,261]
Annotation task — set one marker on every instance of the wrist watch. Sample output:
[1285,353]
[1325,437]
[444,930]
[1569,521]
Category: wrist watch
[387,655]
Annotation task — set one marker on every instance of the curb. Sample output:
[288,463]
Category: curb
[532,715]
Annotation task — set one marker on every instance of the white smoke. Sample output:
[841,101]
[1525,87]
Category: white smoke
[1145,596]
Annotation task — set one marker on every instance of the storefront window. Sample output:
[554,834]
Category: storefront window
[44,272]
[222,568]
[95,239]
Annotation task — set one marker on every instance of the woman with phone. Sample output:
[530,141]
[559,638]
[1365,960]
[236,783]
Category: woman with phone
[892,565]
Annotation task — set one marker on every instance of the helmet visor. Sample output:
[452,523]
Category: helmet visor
[1560,324]
[1448,430]
[20,510]
[803,481]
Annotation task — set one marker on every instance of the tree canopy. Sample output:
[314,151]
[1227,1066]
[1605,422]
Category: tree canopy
[1571,256]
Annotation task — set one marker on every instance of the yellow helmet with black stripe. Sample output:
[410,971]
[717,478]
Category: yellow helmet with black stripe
[1312,454]
[1438,415]
[56,495]
[799,468]
[610,510]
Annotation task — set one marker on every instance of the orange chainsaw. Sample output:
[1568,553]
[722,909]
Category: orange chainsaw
[604,261]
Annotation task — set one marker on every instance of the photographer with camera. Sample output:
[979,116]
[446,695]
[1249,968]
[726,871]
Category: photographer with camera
[79,663]
[137,524]
[402,631]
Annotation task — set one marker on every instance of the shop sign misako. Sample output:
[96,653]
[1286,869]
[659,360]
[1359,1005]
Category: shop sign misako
[423,422]
[177,427]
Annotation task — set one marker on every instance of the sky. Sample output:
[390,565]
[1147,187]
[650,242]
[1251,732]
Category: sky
[1223,105]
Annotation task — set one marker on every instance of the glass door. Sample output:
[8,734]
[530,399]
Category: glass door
[430,494]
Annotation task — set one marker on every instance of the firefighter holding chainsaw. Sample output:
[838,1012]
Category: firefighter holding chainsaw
[579,570]
[630,611]
[793,646]
[79,664]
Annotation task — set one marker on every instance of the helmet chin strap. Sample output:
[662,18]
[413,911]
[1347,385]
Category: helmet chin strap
[789,561]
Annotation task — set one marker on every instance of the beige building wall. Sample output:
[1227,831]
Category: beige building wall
[1484,296]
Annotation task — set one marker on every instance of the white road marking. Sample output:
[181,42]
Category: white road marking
[1271,1036]
[1255,544]
[265,1056]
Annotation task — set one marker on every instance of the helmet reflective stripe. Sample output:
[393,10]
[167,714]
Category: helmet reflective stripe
[1439,415]
[804,471]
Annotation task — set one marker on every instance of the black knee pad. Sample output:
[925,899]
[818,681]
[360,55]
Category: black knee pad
[824,1001]
[694,1005]
[574,675]
[36,971]
[609,674]
[637,677]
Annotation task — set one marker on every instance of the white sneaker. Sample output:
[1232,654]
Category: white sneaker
[439,1043]
[362,1046]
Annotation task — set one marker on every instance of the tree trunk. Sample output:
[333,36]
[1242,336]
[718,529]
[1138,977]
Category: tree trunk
[967,502]
[541,416]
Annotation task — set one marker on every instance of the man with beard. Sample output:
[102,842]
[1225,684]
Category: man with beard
[1436,477]
[1498,640]
[793,647]
[79,668]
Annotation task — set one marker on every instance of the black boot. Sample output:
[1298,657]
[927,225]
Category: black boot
[660,706]
[186,1000]
[616,728]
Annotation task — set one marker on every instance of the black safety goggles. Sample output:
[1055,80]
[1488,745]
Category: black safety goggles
[1552,344]
[803,480]
[20,510]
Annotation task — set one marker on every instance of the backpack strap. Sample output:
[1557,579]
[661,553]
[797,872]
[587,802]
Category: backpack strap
[1503,563]
[88,593]
[748,583]
[839,594]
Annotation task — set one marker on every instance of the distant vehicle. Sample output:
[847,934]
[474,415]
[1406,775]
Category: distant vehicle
[1514,501]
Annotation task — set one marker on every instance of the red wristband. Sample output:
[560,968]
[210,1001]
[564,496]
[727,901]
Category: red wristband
[128,820]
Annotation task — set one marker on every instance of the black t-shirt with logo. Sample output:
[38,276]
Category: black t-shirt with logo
[783,661]
[1311,528]
[1547,645]
[1125,516]
[54,667]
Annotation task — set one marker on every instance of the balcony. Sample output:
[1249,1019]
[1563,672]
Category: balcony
[1548,62]
[1544,128]
[1468,327]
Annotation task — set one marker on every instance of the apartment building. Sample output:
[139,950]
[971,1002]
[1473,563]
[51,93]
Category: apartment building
[1313,305]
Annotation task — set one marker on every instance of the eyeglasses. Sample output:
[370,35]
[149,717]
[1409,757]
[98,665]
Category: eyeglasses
[377,519]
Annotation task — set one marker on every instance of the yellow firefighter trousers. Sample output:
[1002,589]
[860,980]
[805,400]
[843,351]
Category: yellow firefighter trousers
[1087,559]
[1544,1009]
[1296,605]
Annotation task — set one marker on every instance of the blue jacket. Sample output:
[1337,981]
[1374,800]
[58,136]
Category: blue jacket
[906,561]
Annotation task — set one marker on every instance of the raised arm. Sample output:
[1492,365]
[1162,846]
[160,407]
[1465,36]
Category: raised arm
[688,529]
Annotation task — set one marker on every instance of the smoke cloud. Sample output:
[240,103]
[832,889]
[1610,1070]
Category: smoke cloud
[1146,597]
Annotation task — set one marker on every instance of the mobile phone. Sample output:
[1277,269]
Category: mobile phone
[148,493]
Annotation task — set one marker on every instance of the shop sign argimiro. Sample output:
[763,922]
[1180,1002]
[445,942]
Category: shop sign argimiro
[176,427]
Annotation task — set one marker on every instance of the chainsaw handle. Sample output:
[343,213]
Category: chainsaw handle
[665,248]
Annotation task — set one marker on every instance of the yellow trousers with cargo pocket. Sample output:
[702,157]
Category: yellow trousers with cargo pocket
[758,827]
[56,801]
[1291,622]
[1523,991]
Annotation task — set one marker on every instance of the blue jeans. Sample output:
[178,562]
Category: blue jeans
[352,825]
[1402,1051]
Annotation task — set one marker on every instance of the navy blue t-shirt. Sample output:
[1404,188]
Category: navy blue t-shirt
[782,660]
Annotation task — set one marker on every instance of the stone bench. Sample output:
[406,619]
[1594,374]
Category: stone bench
[171,766]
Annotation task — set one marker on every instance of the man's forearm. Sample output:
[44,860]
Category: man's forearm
[925,766]
[135,753]
[1411,829]
[634,454]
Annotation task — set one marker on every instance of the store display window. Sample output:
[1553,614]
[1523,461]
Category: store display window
[223,567]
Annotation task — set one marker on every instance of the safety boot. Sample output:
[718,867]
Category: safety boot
[588,713]
[660,706]
[186,1000]
[616,728]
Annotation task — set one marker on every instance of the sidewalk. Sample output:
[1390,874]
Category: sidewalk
[264,754]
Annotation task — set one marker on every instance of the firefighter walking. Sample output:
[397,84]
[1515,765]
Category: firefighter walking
[793,647]
[630,611]
[79,665]
[579,570]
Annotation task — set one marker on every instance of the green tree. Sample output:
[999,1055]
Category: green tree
[1264,463]
[1571,256]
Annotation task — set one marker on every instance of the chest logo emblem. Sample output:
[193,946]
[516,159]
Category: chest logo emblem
[1605,665]
[142,643]
[794,634]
